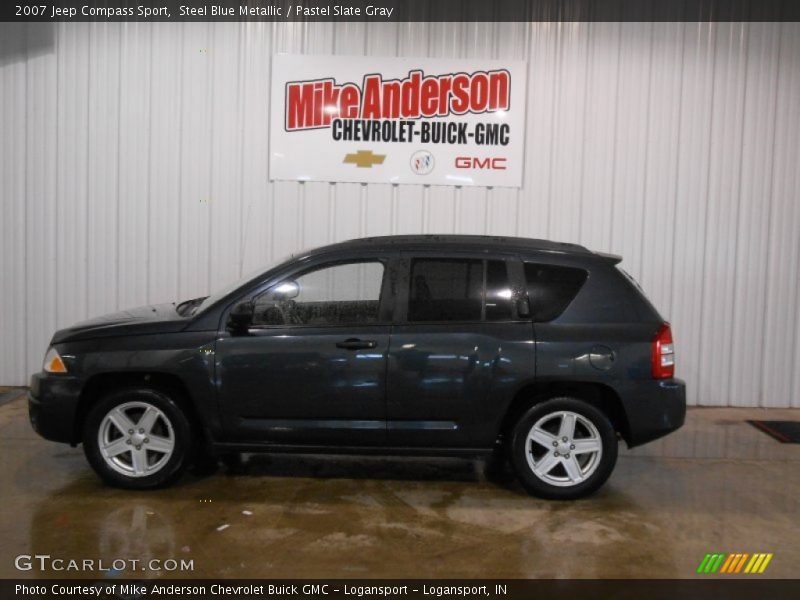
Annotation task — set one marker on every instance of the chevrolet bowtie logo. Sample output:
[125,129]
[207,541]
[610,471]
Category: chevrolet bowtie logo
[364,159]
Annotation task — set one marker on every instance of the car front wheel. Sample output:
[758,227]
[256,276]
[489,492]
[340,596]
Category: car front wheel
[563,448]
[137,439]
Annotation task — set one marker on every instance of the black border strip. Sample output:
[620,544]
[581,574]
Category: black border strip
[730,588]
[15,11]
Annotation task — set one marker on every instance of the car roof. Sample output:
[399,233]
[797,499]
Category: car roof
[452,242]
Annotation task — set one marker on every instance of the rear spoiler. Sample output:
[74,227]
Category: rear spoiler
[614,259]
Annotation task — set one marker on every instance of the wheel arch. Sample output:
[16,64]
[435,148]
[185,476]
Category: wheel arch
[101,384]
[601,396]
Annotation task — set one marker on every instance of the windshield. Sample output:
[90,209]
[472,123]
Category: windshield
[214,298]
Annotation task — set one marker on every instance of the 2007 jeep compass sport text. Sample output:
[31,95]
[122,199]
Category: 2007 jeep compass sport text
[540,353]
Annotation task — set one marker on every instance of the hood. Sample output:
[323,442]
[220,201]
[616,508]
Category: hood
[156,318]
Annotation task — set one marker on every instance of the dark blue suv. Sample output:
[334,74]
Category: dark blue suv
[539,353]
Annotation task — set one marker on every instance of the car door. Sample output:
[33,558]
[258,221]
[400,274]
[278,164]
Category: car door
[459,349]
[311,368]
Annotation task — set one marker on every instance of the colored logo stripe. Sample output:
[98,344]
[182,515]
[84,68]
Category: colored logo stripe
[729,563]
[703,563]
[741,563]
[734,563]
[758,563]
[710,563]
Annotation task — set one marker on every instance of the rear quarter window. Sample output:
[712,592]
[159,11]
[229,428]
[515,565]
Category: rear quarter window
[607,296]
[552,288]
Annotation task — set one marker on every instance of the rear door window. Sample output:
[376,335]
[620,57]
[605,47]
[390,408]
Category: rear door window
[552,288]
[446,290]
[457,289]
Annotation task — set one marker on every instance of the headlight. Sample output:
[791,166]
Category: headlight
[53,362]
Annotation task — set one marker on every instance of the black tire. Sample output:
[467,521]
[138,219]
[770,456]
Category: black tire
[558,484]
[171,421]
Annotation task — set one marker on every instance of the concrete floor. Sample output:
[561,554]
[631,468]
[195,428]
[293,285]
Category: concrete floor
[718,485]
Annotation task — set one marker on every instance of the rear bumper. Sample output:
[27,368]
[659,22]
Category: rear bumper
[657,408]
[53,406]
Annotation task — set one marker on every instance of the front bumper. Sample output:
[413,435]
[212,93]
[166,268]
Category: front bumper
[657,408]
[53,406]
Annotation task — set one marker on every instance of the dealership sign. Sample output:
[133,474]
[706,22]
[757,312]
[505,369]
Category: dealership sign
[397,120]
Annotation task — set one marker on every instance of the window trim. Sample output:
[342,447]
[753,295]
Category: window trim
[386,300]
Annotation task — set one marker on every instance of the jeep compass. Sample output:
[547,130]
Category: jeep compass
[537,354]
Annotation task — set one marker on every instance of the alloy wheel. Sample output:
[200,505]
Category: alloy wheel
[563,448]
[136,439]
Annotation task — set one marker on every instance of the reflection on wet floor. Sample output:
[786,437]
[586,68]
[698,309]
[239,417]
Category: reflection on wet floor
[724,433]
[717,485]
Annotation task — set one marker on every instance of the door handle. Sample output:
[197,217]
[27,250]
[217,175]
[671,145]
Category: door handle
[356,344]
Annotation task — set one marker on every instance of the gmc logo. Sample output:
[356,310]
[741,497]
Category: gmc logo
[473,162]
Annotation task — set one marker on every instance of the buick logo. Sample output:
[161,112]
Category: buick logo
[422,162]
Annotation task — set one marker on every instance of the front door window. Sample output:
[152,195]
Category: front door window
[341,294]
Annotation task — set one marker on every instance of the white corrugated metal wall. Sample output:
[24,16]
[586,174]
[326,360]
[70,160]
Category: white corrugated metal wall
[133,169]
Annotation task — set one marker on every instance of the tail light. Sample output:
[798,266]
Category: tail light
[663,353]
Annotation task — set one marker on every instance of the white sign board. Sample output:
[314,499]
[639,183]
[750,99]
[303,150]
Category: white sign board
[397,120]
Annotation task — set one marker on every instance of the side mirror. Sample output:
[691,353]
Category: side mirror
[240,317]
[285,290]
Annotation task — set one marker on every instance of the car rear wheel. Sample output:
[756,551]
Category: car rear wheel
[563,448]
[137,439]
